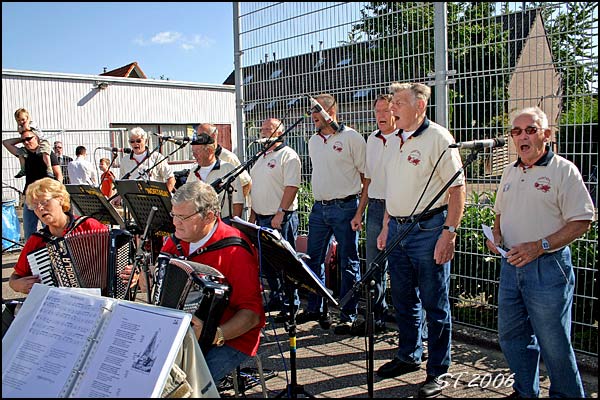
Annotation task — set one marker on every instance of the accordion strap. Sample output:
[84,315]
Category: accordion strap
[225,242]
[45,234]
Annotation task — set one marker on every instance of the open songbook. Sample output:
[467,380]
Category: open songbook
[66,343]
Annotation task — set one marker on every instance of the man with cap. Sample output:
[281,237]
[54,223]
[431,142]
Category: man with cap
[208,168]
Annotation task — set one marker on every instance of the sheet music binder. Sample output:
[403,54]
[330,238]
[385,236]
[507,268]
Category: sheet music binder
[65,343]
[91,202]
[140,196]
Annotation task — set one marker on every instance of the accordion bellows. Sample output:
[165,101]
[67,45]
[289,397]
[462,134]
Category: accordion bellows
[90,259]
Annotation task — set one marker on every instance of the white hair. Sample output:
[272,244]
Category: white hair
[539,116]
[138,131]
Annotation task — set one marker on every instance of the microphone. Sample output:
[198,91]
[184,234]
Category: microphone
[317,108]
[173,139]
[274,139]
[479,144]
[116,149]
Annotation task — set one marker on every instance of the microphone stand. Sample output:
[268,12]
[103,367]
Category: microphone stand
[225,182]
[142,259]
[380,259]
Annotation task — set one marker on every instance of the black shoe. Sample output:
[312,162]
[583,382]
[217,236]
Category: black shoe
[20,174]
[325,321]
[395,368]
[431,387]
[343,328]
[306,316]
[359,328]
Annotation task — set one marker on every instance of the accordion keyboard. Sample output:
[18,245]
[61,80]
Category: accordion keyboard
[39,261]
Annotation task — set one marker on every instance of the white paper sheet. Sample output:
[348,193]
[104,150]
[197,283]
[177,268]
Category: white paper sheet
[487,231]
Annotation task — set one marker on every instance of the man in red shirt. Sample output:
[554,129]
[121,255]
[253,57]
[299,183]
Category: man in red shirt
[195,213]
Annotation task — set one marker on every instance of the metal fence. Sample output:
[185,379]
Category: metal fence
[483,62]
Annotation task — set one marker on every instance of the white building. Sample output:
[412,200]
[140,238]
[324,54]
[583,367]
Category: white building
[95,111]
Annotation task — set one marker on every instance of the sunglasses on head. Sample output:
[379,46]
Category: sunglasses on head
[135,141]
[27,139]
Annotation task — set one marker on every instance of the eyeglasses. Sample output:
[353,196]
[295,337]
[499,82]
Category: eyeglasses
[183,217]
[27,139]
[58,147]
[43,203]
[530,130]
[135,141]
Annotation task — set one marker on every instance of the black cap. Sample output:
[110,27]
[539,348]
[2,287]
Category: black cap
[203,138]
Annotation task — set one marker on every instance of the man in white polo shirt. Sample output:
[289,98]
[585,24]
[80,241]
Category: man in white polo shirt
[542,205]
[337,153]
[420,266]
[275,182]
[379,145]
[208,168]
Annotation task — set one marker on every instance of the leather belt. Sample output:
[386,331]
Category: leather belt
[421,217]
[336,201]
[372,200]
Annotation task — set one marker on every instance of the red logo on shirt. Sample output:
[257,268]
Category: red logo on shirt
[271,164]
[543,184]
[337,146]
[414,157]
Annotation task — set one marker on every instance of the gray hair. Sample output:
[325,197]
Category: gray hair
[539,116]
[138,131]
[418,90]
[203,195]
[328,101]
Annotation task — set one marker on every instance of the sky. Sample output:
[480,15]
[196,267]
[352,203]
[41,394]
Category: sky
[190,42]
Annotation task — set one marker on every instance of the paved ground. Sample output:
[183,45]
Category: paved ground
[332,366]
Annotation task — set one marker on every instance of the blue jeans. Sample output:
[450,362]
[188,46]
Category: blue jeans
[534,317]
[223,360]
[289,231]
[30,222]
[375,213]
[418,283]
[325,221]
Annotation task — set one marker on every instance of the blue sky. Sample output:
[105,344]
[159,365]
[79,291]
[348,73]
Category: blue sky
[190,42]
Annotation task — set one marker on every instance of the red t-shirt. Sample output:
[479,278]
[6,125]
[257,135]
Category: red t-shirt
[240,268]
[36,242]
[106,183]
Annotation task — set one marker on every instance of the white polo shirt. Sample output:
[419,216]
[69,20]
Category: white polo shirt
[409,166]
[231,158]
[270,174]
[337,162]
[535,202]
[378,145]
[219,170]
[161,173]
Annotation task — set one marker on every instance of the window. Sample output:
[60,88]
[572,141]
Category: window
[362,93]
[272,104]
[250,106]
[276,74]
[248,79]
[293,101]
[345,61]
[319,63]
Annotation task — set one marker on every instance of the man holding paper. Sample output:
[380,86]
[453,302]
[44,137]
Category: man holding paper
[542,205]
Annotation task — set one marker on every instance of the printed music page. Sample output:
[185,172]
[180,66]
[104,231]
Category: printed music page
[135,353]
[50,344]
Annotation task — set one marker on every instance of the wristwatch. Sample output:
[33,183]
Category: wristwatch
[220,337]
[545,245]
[280,210]
[450,228]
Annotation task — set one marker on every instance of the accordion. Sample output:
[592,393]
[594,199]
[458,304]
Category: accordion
[195,288]
[91,259]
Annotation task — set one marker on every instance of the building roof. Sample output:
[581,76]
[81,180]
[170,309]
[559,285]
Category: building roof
[131,70]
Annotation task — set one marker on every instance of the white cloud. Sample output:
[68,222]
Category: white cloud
[166,37]
[187,43]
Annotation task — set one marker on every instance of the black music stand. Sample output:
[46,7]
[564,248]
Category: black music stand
[141,196]
[280,255]
[90,201]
